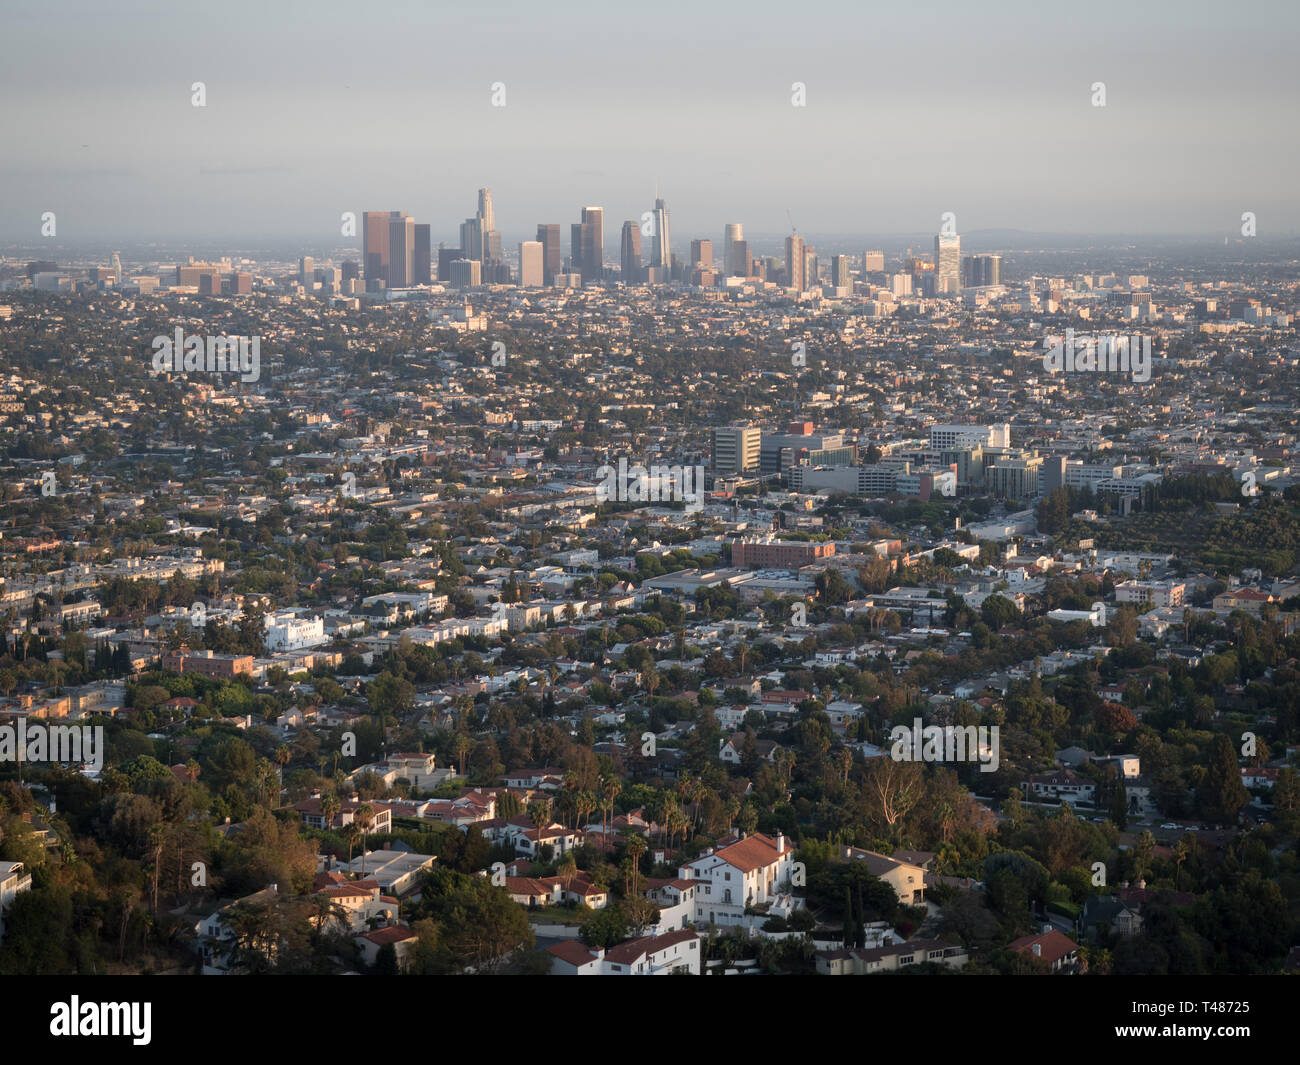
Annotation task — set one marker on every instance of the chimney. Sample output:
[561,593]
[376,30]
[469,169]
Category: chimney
[780,841]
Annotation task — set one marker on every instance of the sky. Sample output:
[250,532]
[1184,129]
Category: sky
[912,110]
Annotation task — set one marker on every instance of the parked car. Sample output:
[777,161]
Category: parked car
[1169,825]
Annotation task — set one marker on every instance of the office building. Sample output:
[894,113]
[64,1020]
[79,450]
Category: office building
[841,277]
[630,253]
[984,270]
[947,264]
[374,247]
[660,253]
[401,249]
[701,255]
[873,262]
[548,235]
[964,436]
[466,273]
[592,265]
[734,264]
[423,257]
[762,552]
[796,264]
[306,271]
[531,272]
[736,448]
[471,239]
[447,256]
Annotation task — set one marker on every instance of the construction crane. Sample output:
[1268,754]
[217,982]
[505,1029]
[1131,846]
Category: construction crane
[791,221]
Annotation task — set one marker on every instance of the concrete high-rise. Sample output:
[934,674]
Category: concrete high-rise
[401,249]
[796,264]
[873,262]
[471,238]
[374,246]
[742,267]
[593,244]
[548,236]
[736,448]
[701,255]
[733,234]
[947,264]
[630,253]
[985,270]
[840,273]
[423,257]
[531,261]
[485,209]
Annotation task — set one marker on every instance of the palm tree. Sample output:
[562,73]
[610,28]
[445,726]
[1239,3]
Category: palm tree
[636,846]
[364,818]
[613,788]
[539,813]
[351,833]
[329,808]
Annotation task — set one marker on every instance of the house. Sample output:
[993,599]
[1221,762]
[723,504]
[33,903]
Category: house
[1059,785]
[732,749]
[527,839]
[313,816]
[752,871]
[675,899]
[14,880]
[1262,777]
[531,892]
[360,900]
[904,872]
[661,955]
[399,937]
[396,872]
[1121,917]
[890,958]
[550,778]
[1057,951]
[216,939]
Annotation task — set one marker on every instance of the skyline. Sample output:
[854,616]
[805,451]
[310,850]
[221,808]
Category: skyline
[981,113]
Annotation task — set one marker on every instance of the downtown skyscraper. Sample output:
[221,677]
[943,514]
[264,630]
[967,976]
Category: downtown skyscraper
[735,252]
[630,253]
[796,263]
[947,264]
[660,254]
[548,235]
[587,244]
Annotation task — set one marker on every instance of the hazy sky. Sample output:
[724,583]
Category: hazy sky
[316,108]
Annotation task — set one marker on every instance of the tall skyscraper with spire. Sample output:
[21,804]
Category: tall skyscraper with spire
[660,254]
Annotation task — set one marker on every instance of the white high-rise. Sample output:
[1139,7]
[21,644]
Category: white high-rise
[530,264]
[732,235]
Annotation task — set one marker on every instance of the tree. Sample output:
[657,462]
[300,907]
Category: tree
[478,923]
[364,817]
[636,846]
[539,813]
[1222,794]
[1119,805]
[891,788]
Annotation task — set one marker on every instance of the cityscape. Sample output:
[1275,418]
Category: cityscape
[616,594]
